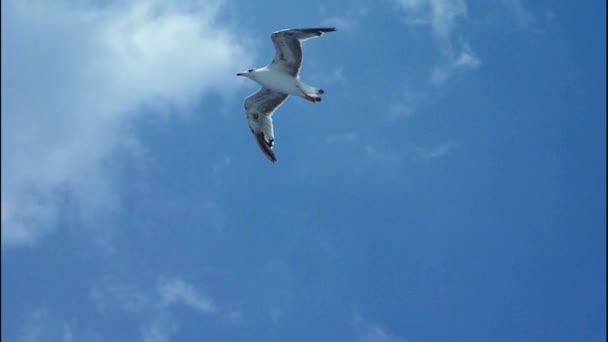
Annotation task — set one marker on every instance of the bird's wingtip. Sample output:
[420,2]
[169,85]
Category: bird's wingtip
[266,147]
[327,29]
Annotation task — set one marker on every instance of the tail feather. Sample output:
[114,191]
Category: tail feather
[312,98]
[311,93]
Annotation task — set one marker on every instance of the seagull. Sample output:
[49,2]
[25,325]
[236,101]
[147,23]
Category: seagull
[279,79]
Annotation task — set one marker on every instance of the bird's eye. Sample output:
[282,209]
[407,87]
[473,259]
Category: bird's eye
[250,70]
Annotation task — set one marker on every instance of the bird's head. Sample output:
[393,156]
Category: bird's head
[246,73]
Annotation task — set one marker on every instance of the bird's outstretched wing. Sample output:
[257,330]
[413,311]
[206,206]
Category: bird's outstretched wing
[288,47]
[259,108]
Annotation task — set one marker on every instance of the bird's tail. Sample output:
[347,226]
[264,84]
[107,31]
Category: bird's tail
[311,93]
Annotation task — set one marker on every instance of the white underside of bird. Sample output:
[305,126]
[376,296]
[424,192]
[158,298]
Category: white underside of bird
[279,79]
[275,78]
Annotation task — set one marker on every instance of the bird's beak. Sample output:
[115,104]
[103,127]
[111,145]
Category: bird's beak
[240,74]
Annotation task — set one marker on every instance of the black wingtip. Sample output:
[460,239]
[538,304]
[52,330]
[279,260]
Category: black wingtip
[327,29]
[266,147]
[319,30]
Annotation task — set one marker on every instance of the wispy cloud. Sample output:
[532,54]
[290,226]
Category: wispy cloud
[443,16]
[524,18]
[111,293]
[407,104]
[40,325]
[342,23]
[345,20]
[412,153]
[370,332]
[177,291]
[341,138]
[439,75]
[335,75]
[401,110]
[152,308]
[440,15]
[466,60]
[75,78]
[219,167]
[426,154]
[159,329]
[383,154]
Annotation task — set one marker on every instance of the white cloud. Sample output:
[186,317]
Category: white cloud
[524,18]
[344,19]
[401,110]
[341,138]
[445,13]
[171,291]
[232,317]
[111,293]
[433,152]
[384,154]
[407,105]
[218,168]
[439,75]
[370,332]
[335,75]
[341,23]
[439,14]
[409,153]
[468,60]
[275,315]
[412,4]
[76,76]
[442,17]
[40,325]
[177,291]
[152,307]
[159,329]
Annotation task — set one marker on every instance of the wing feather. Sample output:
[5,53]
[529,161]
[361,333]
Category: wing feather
[288,47]
[259,108]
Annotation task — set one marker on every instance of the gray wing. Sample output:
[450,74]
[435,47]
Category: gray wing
[288,47]
[259,108]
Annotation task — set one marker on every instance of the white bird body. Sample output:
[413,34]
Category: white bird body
[279,79]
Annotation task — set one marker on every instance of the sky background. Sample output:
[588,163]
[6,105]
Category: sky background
[450,187]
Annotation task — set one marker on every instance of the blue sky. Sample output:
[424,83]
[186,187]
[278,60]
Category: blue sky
[450,186]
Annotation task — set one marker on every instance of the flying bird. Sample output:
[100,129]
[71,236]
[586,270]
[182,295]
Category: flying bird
[279,79]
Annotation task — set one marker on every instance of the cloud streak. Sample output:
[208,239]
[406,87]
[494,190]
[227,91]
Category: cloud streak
[370,332]
[409,153]
[523,17]
[40,325]
[151,307]
[443,16]
[177,291]
[440,15]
